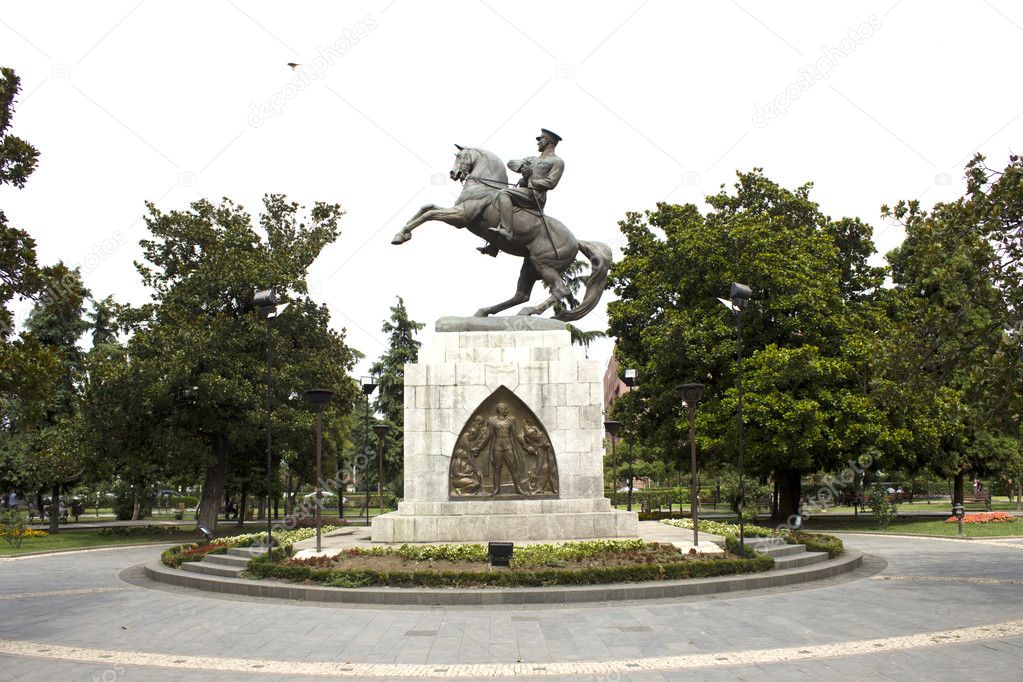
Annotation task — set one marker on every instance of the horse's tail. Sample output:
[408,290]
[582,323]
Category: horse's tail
[600,263]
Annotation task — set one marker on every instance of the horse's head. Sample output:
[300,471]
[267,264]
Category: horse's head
[465,159]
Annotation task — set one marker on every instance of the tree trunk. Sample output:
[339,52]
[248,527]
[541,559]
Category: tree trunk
[342,486]
[54,508]
[213,485]
[1019,494]
[244,505]
[260,512]
[789,492]
[957,489]
[136,506]
[289,496]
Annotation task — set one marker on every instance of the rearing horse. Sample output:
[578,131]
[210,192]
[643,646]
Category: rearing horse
[546,246]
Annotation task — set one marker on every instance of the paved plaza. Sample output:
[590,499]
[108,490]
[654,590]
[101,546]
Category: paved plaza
[918,609]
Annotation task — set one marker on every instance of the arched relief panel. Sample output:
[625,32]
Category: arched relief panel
[503,452]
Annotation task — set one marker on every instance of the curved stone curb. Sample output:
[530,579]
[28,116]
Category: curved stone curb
[662,589]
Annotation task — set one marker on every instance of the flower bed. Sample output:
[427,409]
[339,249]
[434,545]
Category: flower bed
[984,517]
[33,533]
[179,554]
[570,563]
[723,529]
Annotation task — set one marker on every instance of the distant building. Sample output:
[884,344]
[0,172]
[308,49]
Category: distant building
[613,384]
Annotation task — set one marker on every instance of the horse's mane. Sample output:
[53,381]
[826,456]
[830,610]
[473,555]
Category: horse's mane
[494,166]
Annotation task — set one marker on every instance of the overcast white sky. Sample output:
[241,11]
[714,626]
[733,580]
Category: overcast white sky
[656,101]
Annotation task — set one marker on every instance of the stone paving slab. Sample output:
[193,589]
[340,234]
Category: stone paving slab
[49,602]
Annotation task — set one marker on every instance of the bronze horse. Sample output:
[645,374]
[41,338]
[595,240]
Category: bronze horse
[546,246]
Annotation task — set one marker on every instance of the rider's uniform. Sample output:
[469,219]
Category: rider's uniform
[547,172]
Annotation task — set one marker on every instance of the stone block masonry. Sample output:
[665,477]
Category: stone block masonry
[458,371]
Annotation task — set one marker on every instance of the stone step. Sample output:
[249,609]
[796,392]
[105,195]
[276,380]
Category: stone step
[798,560]
[227,560]
[247,552]
[212,569]
[776,550]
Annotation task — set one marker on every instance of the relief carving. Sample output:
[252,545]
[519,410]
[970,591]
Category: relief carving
[503,451]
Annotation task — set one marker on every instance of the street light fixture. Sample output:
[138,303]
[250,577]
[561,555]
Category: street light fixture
[631,378]
[612,427]
[739,297]
[318,398]
[369,384]
[381,431]
[265,303]
[691,395]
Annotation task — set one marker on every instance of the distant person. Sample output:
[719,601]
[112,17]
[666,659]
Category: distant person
[77,509]
[976,486]
[12,500]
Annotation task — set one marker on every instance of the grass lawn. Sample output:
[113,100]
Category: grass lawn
[916,527]
[89,538]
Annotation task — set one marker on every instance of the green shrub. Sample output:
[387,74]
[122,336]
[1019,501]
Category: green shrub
[13,526]
[188,500]
[704,568]
[882,508]
[817,542]
[725,530]
[137,531]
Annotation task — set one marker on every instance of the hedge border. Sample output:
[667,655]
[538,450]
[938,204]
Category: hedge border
[258,568]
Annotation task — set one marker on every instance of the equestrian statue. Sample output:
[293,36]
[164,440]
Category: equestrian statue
[511,219]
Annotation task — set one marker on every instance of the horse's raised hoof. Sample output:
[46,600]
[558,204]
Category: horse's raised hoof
[401,238]
[529,311]
[482,312]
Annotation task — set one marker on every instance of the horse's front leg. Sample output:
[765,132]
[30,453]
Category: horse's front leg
[406,232]
[453,215]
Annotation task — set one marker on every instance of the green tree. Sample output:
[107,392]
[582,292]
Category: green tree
[25,365]
[402,349]
[202,346]
[805,336]
[952,356]
[56,323]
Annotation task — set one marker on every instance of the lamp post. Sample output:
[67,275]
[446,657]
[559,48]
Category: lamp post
[630,378]
[265,302]
[612,427]
[369,384]
[318,398]
[738,299]
[381,431]
[691,395]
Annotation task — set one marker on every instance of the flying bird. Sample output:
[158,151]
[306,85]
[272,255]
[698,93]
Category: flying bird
[293,65]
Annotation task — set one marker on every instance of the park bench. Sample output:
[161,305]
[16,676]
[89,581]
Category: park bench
[981,499]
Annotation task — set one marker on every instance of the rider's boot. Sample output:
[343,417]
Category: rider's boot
[503,231]
[489,250]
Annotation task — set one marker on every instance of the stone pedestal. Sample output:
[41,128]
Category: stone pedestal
[454,375]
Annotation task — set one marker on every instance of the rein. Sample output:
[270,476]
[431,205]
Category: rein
[486,180]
